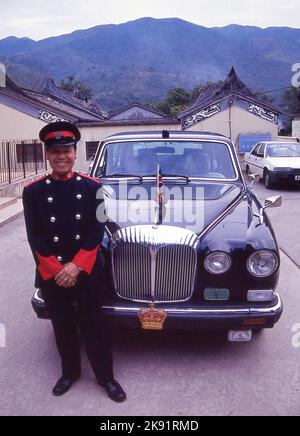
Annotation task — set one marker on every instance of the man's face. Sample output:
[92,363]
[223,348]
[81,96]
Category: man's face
[61,159]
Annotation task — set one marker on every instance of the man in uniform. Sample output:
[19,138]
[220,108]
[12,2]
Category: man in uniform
[65,236]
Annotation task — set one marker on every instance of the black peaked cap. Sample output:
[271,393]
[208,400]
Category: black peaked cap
[66,134]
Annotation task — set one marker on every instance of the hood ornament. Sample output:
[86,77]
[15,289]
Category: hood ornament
[160,198]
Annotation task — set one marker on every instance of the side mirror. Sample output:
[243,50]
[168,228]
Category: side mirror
[275,201]
[253,178]
[271,202]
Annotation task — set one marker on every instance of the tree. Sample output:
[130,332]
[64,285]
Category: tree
[291,99]
[176,101]
[78,87]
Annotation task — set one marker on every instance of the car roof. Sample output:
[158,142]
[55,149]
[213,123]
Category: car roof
[173,134]
[277,142]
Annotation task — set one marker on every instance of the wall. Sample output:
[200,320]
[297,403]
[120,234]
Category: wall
[296,127]
[17,125]
[241,122]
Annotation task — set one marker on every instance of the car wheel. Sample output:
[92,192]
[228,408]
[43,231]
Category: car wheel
[267,180]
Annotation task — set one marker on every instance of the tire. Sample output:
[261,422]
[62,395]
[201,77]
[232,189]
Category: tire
[267,180]
[247,170]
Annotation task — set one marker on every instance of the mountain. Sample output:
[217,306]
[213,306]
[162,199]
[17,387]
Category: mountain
[142,59]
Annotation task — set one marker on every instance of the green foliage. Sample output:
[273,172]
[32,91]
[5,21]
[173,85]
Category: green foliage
[79,87]
[179,99]
[176,101]
[292,99]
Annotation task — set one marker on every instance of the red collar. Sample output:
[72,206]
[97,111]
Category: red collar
[66,177]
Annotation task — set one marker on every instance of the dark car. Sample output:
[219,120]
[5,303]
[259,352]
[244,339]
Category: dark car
[187,243]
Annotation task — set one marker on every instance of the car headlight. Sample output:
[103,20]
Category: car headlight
[217,262]
[262,263]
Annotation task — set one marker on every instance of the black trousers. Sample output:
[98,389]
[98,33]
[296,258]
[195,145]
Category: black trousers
[88,319]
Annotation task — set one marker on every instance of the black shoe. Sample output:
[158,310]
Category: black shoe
[63,385]
[114,390]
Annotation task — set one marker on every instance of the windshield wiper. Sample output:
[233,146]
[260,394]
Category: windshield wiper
[294,151]
[121,175]
[175,176]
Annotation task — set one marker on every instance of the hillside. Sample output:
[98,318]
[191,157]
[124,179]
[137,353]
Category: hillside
[141,60]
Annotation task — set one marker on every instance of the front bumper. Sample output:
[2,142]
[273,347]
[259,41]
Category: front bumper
[282,177]
[206,318]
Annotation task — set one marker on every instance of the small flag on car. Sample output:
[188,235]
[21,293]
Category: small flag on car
[160,196]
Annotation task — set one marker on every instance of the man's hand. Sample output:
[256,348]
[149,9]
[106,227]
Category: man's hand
[67,277]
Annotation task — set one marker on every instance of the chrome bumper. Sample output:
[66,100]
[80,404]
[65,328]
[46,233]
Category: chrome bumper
[261,311]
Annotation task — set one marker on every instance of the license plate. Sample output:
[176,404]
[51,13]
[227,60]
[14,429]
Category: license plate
[297,178]
[240,335]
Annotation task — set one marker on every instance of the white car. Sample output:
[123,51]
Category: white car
[274,162]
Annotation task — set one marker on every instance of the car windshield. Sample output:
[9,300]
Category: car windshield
[287,149]
[201,159]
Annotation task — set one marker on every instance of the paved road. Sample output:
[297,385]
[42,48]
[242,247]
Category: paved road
[176,374]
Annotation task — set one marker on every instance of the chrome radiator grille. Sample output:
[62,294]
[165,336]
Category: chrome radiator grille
[132,271]
[175,270]
[146,268]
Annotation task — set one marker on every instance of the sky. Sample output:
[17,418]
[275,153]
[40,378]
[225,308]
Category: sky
[38,19]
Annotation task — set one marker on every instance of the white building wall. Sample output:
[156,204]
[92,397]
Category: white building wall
[17,125]
[242,122]
[296,127]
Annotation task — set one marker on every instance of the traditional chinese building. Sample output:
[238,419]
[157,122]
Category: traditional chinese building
[228,108]
[24,112]
[132,117]
[231,109]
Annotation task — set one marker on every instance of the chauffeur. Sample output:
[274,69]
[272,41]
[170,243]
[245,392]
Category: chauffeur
[65,237]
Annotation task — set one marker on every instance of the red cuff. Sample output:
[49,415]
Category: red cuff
[86,259]
[48,266]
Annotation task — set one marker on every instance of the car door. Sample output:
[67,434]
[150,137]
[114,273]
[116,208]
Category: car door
[252,159]
[260,159]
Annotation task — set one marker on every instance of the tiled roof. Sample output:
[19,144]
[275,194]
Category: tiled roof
[217,92]
[135,104]
[57,106]
[145,122]
[73,98]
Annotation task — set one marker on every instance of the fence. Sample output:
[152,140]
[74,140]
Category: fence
[21,160]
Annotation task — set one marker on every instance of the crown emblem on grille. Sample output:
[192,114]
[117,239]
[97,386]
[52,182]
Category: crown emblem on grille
[152,319]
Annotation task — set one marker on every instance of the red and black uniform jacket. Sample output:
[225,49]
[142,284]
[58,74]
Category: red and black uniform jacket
[62,225]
